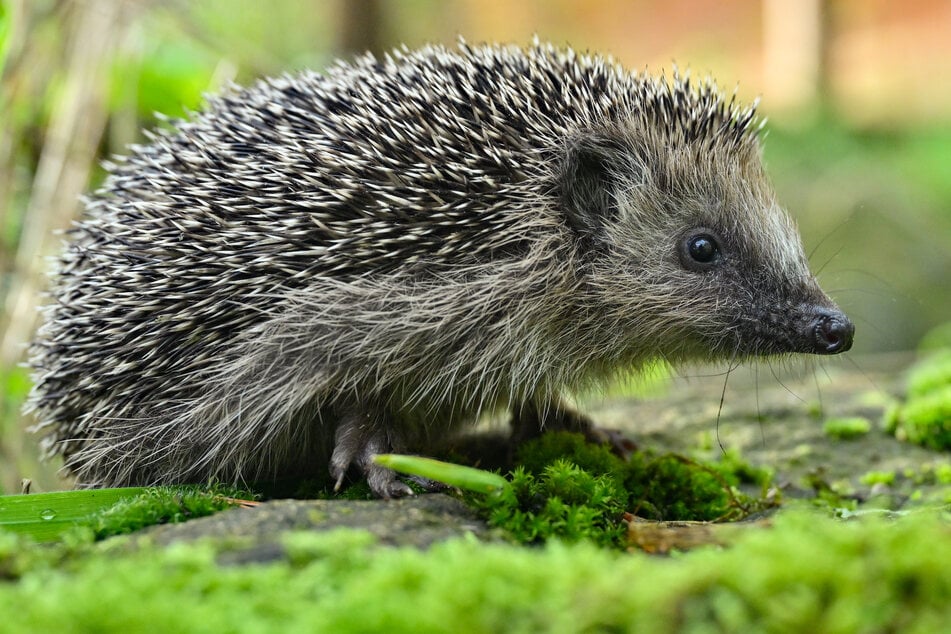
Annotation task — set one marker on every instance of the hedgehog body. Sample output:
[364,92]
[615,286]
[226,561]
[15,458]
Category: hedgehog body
[327,266]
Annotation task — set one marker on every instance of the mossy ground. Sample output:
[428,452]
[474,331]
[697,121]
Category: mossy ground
[569,489]
[809,573]
[925,417]
[162,505]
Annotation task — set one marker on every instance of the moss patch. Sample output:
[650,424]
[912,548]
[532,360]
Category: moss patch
[925,418]
[809,573]
[930,374]
[162,505]
[847,428]
[569,489]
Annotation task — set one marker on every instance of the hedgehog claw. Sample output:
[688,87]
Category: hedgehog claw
[357,440]
[429,486]
[347,444]
[383,483]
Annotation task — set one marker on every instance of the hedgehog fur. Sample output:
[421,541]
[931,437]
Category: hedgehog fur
[322,267]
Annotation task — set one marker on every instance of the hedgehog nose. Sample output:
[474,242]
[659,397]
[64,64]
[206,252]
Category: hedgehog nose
[831,332]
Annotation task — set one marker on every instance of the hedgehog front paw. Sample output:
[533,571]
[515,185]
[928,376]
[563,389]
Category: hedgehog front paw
[356,441]
[530,421]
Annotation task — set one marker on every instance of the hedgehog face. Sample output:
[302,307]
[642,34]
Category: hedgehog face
[688,249]
[754,292]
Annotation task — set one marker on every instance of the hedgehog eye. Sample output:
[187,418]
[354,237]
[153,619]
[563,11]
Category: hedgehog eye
[703,248]
[699,251]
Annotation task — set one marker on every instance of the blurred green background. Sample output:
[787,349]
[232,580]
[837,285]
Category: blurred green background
[857,92]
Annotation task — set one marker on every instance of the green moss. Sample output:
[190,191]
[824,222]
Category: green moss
[162,505]
[17,556]
[830,495]
[943,473]
[930,473]
[872,576]
[671,487]
[934,478]
[570,489]
[891,418]
[925,418]
[536,455]
[563,501]
[847,428]
[878,477]
[738,471]
[931,374]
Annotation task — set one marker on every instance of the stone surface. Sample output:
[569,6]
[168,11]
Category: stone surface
[773,415]
[417,521]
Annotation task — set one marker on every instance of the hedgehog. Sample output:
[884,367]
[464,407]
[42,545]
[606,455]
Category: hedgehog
[326,266]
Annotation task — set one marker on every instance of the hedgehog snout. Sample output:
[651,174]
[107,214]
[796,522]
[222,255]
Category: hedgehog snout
[810,327]
[831,331]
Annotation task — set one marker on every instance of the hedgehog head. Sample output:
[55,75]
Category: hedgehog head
[685,244]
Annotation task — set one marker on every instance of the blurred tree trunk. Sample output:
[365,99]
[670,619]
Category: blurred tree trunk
[75,129]
[796,52]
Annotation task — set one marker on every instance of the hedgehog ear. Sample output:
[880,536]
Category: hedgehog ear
[589,187]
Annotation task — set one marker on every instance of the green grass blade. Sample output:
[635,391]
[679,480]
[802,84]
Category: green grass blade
[455,475]
[44,516]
